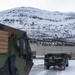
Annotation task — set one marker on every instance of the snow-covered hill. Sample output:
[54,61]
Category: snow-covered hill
[40,23]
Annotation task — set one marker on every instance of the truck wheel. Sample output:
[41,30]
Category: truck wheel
[67,64]
[46,67]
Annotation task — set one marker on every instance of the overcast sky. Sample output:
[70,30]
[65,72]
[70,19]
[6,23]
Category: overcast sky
[50,5]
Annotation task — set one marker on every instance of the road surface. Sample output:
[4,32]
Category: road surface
[38,69]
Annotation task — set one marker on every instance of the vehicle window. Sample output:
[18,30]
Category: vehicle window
[23,43]
[18,43]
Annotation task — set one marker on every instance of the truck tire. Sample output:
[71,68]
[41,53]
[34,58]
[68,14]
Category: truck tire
[67,64]
[46,67]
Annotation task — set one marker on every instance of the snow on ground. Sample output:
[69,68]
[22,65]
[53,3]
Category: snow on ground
[69,70]
[38,69]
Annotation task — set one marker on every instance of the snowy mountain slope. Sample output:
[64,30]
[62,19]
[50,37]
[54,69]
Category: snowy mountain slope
[40,23]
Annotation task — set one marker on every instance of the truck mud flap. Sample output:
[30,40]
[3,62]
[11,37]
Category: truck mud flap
[28,66]
[29,63]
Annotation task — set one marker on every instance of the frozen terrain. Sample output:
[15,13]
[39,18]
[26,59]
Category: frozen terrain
[38,69]
[40,23]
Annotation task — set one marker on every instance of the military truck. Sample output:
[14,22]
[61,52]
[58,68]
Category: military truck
[56,59]
[15,52]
